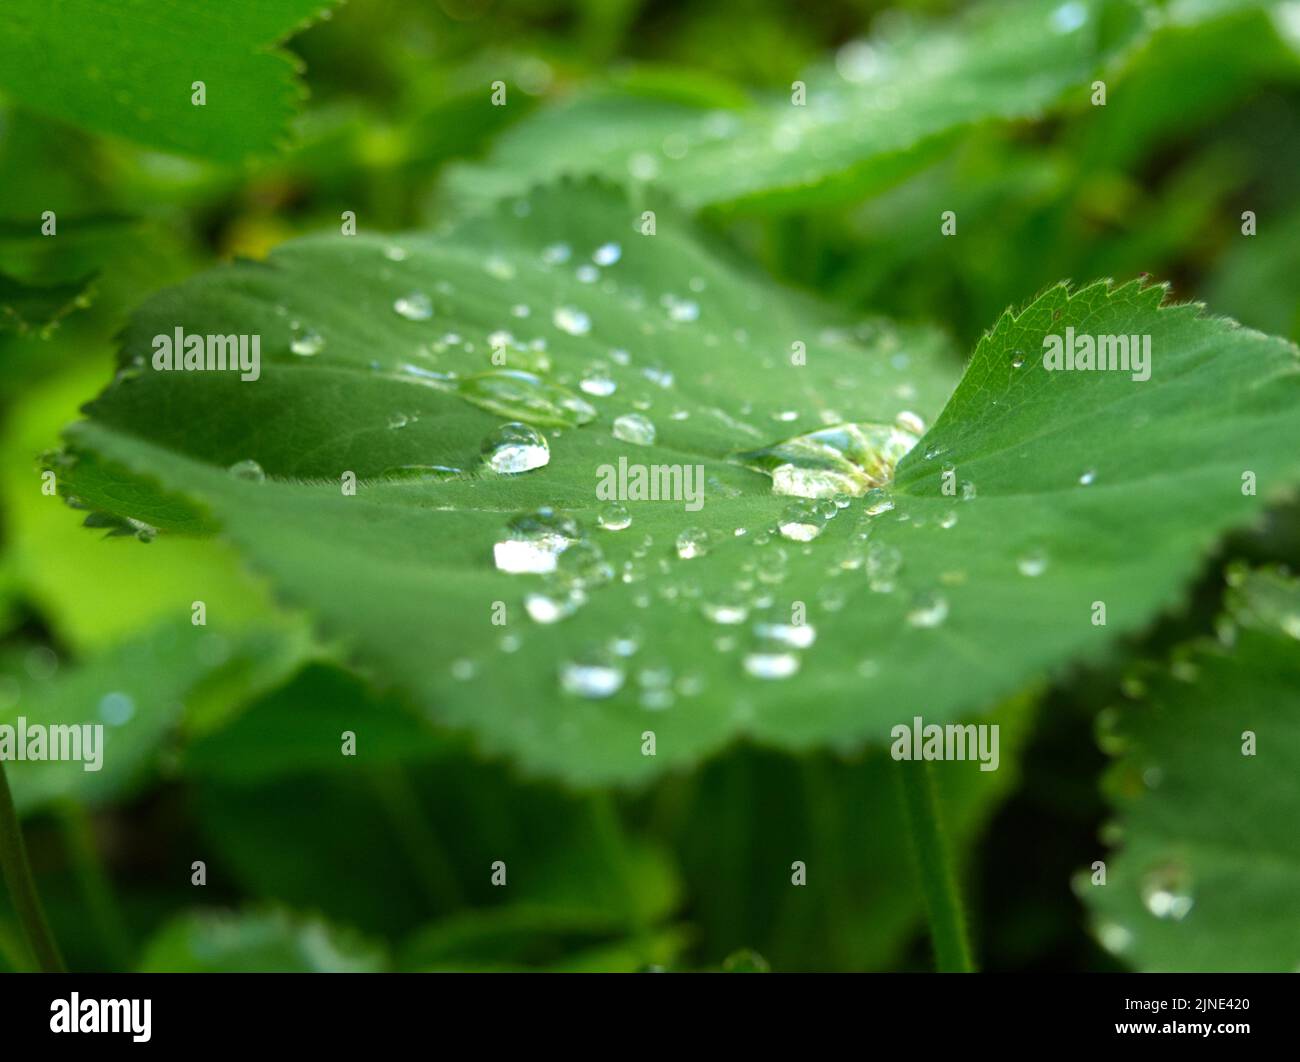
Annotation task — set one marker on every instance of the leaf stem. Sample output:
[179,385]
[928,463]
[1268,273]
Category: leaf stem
[22,887]
[934,862]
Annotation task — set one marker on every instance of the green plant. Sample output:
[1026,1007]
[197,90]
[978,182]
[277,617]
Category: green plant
[387,587]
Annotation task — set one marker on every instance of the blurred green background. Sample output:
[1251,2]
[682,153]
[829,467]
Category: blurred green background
[319,862]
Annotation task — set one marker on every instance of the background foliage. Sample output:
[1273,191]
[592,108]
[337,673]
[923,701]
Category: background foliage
[229,753]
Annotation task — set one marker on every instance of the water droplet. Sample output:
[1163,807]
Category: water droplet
[841,459]
[1167,891]
[398,420]
[1088,478]
[394,253]
[462,670]
[1069,17]
[499,267]
[967,491]
[877,501]
[607,254]
[307,343]
[634,428]
[522,396]
[597,381]
[1033,563]
[594,674]
[615,517]
[514,448]
[745,960]
[910,422]
[801,522]
[547,607]
[416,306]
[771,663]
[1018,359]
[727,610]
[684,310]
[116,708]
[948,520]
[583,565]
[1114,937]
[248,470]
[571,320]
[556,253]
[787,635]
[692,543]
[532,542]
[419,472]
[928,609]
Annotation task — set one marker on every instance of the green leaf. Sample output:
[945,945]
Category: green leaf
[129,69]
[139,693]
[299,727]
[1081,486]
[39,307]
[258,942]
[1208,869]
[884,108]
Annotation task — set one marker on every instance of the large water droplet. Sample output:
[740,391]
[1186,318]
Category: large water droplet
[801,522]
[525,397]
[416,306]
[634,428]
[514,448]
[607,254]
[532,542]
[841,459]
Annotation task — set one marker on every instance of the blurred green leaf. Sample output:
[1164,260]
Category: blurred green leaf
[138,692]
[258,942]
[1207,873]
[882,109]
[128,69]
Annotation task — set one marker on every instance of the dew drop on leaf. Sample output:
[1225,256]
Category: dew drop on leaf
[692,543]
[634,428]
[801,522]
[415,306]
[928,609]
[571,320]
[307,343]
[593,674]
[1033,563]
[1167,891]
[514,448]
[248,470]
[532,542]
[841,459]
[615,517]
